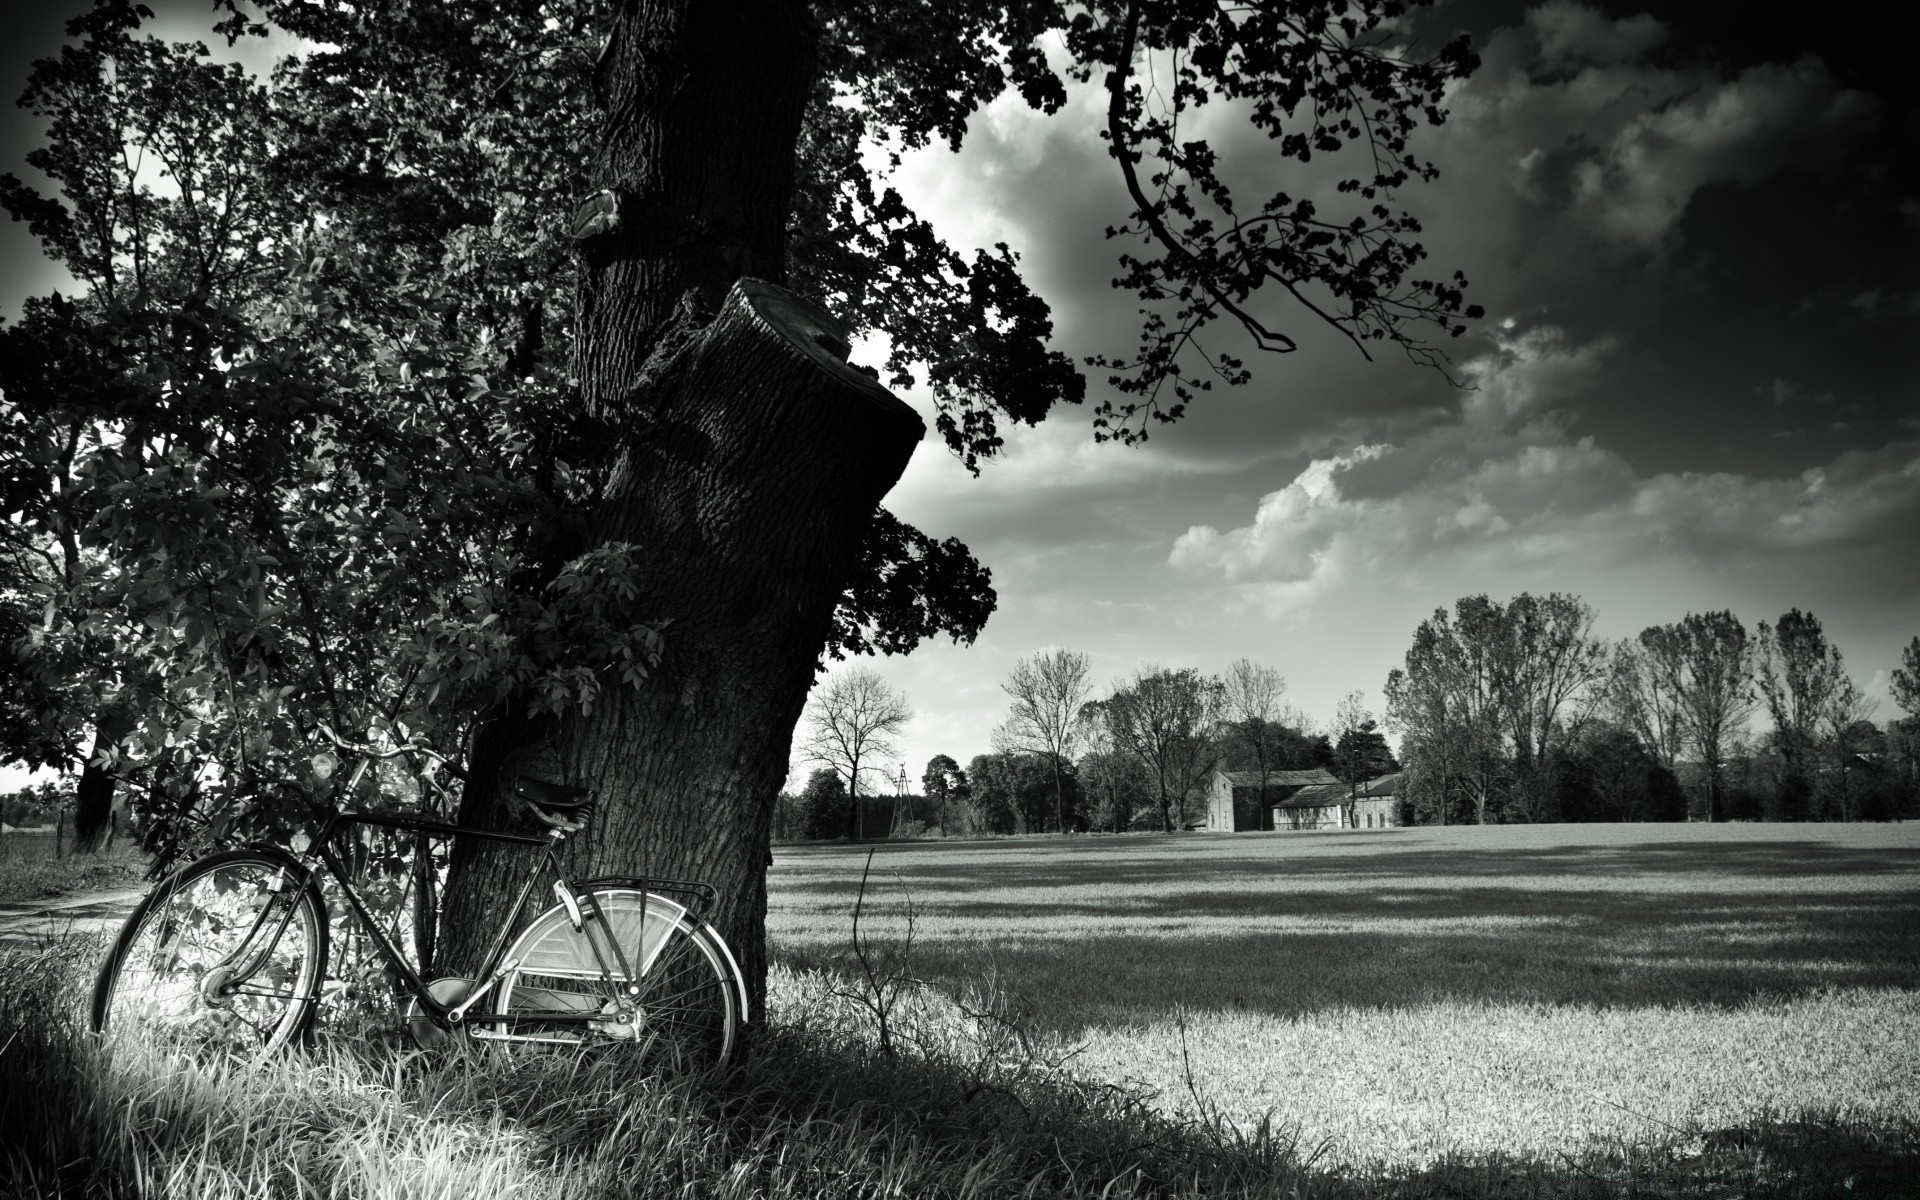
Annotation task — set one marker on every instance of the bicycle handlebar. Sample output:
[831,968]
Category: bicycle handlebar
[367,751]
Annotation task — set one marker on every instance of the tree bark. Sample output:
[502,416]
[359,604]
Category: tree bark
[748,494]
[93,796]
[748,461]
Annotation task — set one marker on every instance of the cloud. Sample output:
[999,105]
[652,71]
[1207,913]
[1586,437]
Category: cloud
[1571,34]
[1570,155]
[1612,446]
[1508,488]
[1638,183]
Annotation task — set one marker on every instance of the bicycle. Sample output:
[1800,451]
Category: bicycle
[230,951]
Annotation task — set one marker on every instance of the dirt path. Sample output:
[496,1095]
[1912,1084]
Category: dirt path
[86,912]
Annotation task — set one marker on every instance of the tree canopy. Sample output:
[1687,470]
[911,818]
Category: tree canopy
[317,445]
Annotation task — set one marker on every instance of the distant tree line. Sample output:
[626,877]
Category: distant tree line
[1509,712]
[1516,712]
[1137,758]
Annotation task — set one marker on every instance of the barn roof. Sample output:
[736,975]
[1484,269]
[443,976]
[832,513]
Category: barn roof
[1386,785]
[1280,779]
[1318,795]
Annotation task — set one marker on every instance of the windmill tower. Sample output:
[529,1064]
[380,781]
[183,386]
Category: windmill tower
[899,794]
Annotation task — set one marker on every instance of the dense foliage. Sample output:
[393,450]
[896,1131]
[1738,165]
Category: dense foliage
[309,453]
[1506,714]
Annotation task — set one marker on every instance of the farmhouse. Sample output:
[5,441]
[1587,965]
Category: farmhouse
[1375,805]
[1234,798]
[1378,806]
[1321,806]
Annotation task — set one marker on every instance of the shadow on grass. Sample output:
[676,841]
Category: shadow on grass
[1127,932]
[814,1112]
[1150,860]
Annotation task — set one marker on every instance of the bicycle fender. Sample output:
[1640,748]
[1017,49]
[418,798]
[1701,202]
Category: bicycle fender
[739,980]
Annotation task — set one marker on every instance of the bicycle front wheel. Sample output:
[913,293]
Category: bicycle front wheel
[681,1004]
[225,956]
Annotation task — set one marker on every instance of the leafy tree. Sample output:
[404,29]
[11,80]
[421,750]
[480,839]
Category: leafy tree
[1550,668]
[823,805]
[1257,725]
[456,415]
[1903,735]
[1047,691]
[1715,685]
[1013,793]
[852,722]
[1905,683]
[946,785]
[1361,752]
[1610,774]
[1110,775]
[1812,701]
[1644,690]
[1165,718]
[1490,695]
[1447,704]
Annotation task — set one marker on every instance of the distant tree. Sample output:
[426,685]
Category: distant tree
[1256,718]
[1112,778]
[1610,774]
[852,722]
[1687,687]
[1013,791]
[1643,691]
[1448,705]
[789,817]
[1490,695]
[946,785]
[1165,719]
[1903,735]
[823,805]
[1811,700]
[1905,685]
[1047,691]
[1551,665]
[1361,752]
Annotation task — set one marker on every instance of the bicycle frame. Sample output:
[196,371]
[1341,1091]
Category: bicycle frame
[492,970]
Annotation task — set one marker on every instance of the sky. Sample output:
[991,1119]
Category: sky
[1694,388]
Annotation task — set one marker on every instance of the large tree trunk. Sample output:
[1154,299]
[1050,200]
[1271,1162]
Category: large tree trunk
[749,461]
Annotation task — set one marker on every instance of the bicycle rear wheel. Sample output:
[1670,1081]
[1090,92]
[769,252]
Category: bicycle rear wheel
[683,1009]
[225,956]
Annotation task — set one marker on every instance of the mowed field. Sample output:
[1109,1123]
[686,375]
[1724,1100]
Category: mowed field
[1401,996]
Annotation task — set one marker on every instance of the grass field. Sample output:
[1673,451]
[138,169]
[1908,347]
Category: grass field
[1400,996]
[30,870]
[1582,1013]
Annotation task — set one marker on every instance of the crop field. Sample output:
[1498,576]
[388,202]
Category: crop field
[1397,998]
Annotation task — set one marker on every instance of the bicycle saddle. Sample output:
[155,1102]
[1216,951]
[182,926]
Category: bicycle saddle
[557,804]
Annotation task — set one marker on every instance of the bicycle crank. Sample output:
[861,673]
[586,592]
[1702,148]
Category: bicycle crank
[449,992]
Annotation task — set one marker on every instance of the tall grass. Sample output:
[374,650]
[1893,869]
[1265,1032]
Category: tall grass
[30,868]
[814,1112]
[971,1106]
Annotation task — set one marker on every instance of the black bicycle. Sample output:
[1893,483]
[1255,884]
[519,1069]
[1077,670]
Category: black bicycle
[230,951]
